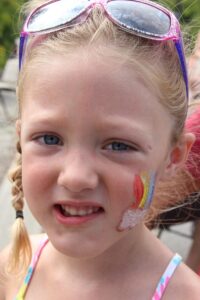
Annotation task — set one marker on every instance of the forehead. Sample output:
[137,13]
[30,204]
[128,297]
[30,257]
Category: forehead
[92,85]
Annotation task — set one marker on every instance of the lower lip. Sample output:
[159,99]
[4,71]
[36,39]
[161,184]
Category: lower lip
[74,220]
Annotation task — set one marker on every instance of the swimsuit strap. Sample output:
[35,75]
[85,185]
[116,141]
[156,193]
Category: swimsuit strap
[22,291]
[162,285]
[165,279]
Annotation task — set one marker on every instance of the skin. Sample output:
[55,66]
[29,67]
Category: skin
[84,167]
[104,128]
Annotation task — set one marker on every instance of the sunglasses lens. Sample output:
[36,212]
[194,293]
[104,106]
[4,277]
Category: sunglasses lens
[142,18]
[55,14]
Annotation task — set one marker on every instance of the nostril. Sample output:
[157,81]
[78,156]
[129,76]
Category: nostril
[78,179]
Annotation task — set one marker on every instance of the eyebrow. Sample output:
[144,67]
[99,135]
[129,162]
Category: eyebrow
[115,123]
[110,121]
[45,120]
[122,124]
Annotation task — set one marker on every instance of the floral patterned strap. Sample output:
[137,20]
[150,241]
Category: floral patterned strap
[165,279]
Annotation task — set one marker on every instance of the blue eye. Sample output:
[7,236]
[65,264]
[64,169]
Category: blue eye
[118,146]
[49,139]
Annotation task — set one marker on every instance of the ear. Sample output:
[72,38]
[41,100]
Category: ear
[178,154]
[18,128]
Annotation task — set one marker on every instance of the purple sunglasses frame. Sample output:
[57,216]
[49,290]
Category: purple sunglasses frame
[174,33]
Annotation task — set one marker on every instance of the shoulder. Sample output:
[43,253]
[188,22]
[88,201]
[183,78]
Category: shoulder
[9,282]
[184,285]
[3,277]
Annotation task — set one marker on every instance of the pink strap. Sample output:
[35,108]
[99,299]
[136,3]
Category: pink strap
[165,278]
[22,291]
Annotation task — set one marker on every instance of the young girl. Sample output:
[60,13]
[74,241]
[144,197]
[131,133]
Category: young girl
[102,102]
[185,200]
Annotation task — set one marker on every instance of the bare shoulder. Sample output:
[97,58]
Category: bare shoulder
[184,285]
[7,281]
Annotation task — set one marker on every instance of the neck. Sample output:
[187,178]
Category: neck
[124,255]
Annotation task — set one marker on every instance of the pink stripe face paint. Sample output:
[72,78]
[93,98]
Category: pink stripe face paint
[143,188]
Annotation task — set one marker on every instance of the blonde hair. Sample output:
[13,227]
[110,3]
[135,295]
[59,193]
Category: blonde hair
[157,64]
[20,252]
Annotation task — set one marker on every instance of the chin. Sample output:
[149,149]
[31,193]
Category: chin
[75,247]
[79,251]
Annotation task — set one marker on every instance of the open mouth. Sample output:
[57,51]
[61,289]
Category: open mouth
[70,211]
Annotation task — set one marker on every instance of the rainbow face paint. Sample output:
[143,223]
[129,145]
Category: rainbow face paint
[143,189]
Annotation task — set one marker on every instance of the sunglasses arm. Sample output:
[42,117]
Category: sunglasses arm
[23,38]
[180,50]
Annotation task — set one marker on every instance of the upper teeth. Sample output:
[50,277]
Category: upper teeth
[74,211]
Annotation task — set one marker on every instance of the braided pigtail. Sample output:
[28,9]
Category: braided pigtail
[20,253]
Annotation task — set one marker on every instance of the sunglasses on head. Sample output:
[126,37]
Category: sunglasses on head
[139,17]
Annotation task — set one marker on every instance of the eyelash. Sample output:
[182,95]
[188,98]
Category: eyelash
[121,146]
[125,147]
[41,139]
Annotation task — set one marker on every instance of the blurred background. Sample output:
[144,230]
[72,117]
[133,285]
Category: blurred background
[9,28]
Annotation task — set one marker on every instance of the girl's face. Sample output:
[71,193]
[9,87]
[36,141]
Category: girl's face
[88,129]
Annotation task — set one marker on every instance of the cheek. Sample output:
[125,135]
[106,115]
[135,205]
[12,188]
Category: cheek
[142,195]
[36,177]
[121,192]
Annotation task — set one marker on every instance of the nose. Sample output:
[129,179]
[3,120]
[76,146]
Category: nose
[78,173]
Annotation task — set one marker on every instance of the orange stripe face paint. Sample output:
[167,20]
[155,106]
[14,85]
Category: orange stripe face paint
[143,188]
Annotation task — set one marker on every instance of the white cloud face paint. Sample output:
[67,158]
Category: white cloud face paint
[130,218]
[143,189]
